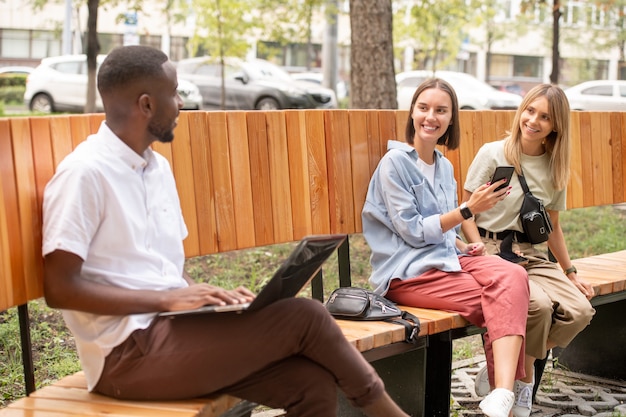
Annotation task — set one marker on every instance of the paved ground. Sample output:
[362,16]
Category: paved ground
[563,394]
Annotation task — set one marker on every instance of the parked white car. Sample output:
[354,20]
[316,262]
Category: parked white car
[472,93]
[15,70]
[609,95]
[59,84]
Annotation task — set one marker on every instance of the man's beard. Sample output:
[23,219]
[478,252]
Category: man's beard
[163,134]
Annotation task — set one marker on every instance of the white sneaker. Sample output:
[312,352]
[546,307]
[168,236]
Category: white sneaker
[523,398]
[498,404]
[481,382]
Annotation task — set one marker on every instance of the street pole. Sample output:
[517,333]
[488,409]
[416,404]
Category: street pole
[330,54]
[67,28]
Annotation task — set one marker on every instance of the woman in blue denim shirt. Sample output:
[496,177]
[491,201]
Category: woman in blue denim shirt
[411,222]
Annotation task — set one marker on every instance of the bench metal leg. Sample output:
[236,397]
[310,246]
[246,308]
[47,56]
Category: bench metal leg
[600,349]
[405,381]
[27,356]
[439,375]
[540,365]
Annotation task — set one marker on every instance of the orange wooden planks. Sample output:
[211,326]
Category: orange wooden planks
[359,155]
[29,217]
[299,183]
[318,172]
[278,157]
[339,162]
[260,176]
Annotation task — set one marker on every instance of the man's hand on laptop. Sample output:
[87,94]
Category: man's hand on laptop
[199,295]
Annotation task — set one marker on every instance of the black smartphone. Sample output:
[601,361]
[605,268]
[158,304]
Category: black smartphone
[503,171]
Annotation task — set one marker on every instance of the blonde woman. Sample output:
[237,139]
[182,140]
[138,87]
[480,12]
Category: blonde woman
[539,148]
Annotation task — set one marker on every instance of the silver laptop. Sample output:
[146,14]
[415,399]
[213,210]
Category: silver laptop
[304,262]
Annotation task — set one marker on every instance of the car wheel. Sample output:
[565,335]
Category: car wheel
[267,103]
[42,103]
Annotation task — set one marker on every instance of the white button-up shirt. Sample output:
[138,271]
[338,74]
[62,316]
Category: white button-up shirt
[120,213]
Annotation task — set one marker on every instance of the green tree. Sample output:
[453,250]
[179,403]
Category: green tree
[493,17]
[604,28]
[291,22]
[434,29]
[529,7]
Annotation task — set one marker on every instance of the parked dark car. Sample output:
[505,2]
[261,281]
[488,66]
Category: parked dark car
[253,84]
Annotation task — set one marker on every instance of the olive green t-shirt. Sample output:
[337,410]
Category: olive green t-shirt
[505,214]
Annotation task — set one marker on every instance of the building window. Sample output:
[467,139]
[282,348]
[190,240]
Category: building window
[576,70]
[527,66]
[500,66]
[178,48]
[15,43]
[150,40]
[44,44]
[108,42]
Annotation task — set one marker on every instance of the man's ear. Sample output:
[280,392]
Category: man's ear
[145,104]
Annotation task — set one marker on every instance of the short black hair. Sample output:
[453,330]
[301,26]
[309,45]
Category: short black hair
[128,64]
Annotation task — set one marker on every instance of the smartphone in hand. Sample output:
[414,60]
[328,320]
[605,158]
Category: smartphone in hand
[501,172]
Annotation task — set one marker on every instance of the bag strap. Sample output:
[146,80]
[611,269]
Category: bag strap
[411,325]
[522,181]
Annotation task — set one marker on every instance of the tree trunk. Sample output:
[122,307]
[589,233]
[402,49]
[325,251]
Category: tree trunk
[372,75]
[556,16]
[93,48]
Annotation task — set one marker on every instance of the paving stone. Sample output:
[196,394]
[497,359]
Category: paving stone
[561,393]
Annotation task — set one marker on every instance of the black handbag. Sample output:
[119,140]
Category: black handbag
[352,303]
[535,219]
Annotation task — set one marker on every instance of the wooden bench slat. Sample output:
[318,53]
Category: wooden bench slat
[318,172]
[439,321]
[91,407]
[301,217]
[260,178]
[214,167]
[618,141]
[239,150]
[361,172]
[80,394]
[9,296]
[182,164]
[366,335]
[202,178]
[339,160]
[61,136]
[21,412]
[279,177]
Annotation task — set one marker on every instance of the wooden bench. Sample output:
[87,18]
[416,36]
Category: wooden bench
[249,179]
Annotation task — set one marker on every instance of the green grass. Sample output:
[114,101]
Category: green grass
[53,347]
[594,230]
[588,231]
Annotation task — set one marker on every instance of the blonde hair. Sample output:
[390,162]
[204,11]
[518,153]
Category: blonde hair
[557,143]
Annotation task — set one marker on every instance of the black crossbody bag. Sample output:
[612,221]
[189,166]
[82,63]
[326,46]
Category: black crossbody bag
[352,303]
[535,219]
